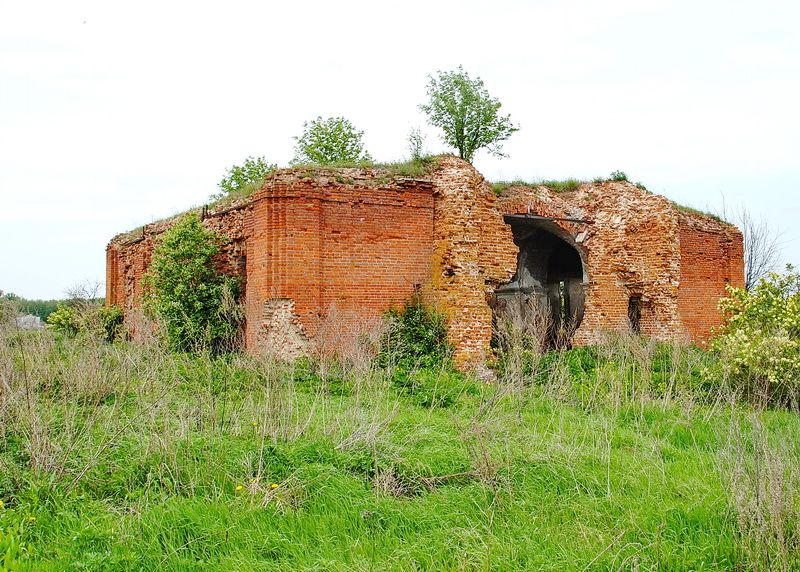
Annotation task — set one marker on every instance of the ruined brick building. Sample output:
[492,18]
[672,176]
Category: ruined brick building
[354,241]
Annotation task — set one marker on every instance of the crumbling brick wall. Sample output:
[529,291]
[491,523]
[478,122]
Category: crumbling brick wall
[633,244]
[128,255]
[355,242]
[711,259]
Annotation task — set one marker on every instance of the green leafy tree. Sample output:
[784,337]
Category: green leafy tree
[760,338]
[245,178]
[468,116]
[328,141]
[185,290]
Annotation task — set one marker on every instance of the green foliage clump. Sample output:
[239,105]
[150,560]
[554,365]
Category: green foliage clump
[186,292]
[760,339]
[618,176]
[65,320]
[416,167]
[330,141]
[87,317]
[242,180]
[417,336]
[431,388]
[565,186]
[467,115]
[111,320]
[14,551]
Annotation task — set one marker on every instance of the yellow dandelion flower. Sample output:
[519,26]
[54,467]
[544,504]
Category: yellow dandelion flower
[274,486]
[255,424]
[239,488]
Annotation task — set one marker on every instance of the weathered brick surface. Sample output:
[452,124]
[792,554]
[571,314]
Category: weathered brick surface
[711,259]
[360,241]
[128,255]
[350,239]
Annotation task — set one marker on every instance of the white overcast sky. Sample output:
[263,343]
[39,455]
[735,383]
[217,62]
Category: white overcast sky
[115,114]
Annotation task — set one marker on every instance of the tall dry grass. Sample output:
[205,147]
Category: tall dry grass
[761,473]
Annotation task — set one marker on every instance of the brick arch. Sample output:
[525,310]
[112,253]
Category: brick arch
[546,294]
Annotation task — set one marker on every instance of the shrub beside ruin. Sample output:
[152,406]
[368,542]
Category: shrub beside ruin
[759,342]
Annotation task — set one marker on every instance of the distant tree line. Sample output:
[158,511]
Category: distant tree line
[41,308]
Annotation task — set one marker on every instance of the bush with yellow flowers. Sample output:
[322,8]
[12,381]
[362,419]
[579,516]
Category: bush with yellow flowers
[759,342]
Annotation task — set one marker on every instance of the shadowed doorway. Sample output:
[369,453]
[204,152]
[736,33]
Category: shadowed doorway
[545,297]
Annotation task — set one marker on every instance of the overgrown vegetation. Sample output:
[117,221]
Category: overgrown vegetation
[760,340]
[557,186]
[194,303]
[414,168]
[416,354]
[127,457]
[243,180]
[692,210]
[625,455]
[416,336]
[330,141]
[75,318]
[563,186]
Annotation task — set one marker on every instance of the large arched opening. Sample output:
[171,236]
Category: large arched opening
[545,297]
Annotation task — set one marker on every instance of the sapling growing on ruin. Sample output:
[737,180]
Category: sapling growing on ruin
[245,178]
[467,115]
[329,141]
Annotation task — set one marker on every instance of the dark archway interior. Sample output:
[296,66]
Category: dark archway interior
[545,296]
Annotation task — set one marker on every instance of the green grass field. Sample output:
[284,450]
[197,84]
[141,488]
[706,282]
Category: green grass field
[125,457]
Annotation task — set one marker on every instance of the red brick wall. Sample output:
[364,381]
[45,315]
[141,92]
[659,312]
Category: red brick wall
[356,248]
[629,247]
[354,242]
[128,255]
[711,258]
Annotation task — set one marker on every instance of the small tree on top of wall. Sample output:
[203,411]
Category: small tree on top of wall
[329,141]
[186,292]
[467,115]
[245,178]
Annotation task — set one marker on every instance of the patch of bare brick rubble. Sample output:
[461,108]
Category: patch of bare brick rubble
[604,256]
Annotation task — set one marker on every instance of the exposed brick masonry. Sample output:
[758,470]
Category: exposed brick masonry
[360,241]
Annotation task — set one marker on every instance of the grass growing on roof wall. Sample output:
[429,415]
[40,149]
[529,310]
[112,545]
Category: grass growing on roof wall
[126,457]
[418,167]
[563,186]
[695,211]
[567,185]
